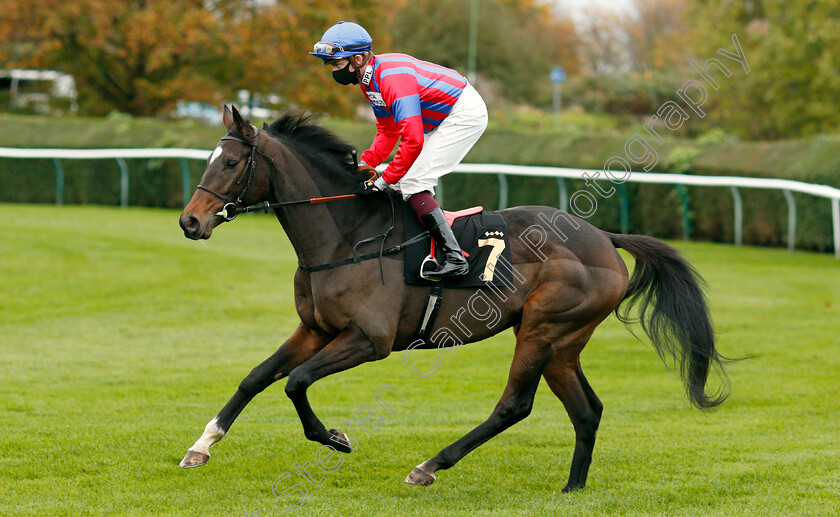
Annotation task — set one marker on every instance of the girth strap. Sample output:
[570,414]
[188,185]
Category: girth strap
[430,312]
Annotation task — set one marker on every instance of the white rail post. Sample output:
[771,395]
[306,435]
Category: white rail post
[739,216]
[791,219]
[835,219]
[59,181]
[185,179]
[123,182]
[564,194]
[503,190]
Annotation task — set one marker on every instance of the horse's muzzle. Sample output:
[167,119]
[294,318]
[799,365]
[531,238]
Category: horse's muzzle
[192,227]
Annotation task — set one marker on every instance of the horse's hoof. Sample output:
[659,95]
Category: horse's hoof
[420,477]
[339,441]
[194,459]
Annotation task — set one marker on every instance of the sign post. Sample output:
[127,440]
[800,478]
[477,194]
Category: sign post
[557,75]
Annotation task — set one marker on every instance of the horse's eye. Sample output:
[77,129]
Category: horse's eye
[231,164]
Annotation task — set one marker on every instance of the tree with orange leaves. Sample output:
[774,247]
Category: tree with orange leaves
[141,56]
[131,56]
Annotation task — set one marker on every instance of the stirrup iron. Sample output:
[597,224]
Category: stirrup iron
[429,258]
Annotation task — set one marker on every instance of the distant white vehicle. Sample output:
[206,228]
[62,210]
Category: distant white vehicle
[36,88]
[251,106]
[199,111]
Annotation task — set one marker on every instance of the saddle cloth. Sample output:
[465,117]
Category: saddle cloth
[484,238]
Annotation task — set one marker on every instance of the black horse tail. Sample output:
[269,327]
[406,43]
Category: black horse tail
[672,309]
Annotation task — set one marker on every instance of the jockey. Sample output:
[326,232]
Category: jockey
[433,111]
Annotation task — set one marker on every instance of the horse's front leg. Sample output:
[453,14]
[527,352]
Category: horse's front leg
[350,348]
[302,345]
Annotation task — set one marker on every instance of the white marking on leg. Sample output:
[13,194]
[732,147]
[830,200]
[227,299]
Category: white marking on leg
[212,434]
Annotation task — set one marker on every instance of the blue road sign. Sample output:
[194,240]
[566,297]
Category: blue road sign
[558,75]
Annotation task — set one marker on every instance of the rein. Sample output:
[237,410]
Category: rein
[359,258]
[231,209]
[266,207]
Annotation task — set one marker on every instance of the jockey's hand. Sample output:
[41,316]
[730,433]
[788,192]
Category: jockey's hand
[371,186]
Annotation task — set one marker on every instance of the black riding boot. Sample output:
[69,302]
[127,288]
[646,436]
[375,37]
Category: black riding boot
[454,263]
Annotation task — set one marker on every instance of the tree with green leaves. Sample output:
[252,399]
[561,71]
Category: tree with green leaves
[792,46]
[519,42]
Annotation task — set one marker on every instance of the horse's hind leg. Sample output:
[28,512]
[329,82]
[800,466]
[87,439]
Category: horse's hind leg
[565,378]
[301,346]
[530,358]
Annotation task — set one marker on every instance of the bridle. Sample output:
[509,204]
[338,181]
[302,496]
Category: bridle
[231,210]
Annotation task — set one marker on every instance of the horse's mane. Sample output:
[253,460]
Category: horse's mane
[298,128]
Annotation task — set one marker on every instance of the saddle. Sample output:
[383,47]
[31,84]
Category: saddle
[450,218]
[483,238]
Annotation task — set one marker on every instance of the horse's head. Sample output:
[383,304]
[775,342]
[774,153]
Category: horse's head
[231,178]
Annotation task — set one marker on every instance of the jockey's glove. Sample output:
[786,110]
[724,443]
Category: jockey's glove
[371,186]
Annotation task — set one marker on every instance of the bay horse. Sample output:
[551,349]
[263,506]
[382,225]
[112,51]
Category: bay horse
[348,316]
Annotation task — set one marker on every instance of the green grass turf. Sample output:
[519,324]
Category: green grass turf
[120,339]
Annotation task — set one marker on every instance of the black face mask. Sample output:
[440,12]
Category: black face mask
[345,76]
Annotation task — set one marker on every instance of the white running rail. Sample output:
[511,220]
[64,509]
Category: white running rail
[501,172]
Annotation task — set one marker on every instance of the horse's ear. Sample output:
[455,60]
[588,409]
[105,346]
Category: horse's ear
[238,121]
[265,126]
[243,126]
[227,118]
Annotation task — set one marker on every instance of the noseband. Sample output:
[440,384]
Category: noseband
[231,210]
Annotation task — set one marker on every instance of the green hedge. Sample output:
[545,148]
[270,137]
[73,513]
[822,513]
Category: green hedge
[654,209]
[639,93]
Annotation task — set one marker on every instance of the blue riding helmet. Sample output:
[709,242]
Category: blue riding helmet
[344,39]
